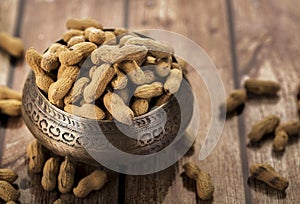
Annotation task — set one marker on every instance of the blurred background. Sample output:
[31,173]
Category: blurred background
[244,38]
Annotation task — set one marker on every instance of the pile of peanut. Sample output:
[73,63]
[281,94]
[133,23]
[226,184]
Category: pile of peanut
[61,174]
[100,74]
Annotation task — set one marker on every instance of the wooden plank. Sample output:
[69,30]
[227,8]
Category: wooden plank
[44,22]
[267,38]
[194,20]
[8,14]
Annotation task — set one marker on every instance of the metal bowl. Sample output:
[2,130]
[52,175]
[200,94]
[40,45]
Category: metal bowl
[69,135]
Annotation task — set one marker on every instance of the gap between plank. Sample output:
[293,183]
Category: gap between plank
[13,62]
[241,122]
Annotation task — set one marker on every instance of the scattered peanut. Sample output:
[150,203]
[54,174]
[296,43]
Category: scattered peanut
[117,108]
[262,127]
[283,132]
[7,93]
[262,87]
[235,100]
[204,184]
[140,107]
[267,174]
[101,77]
[10,107]
[149,90]
[94,181]
[66,176]
[36,154]
[8,175]
[50,172]
[8,192]
[90,111]
[82,24]
[59,201]
[14,46]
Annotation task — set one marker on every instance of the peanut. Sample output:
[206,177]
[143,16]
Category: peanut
[156,48]
[59,201]
[50,59]
[94,181]
[36,154]
[66,176]
[162,99]
[125,38]
[113,54]
[76,53]
[82,24]
[91,71]
[50,172]
[101,77]
[133,71]
[42,80]
[120,82]
[262,127]
[8,192]
[283,132]
[235,100]
[267,174]
[59,89]
[75,40]
[11,202]
[117,108]
[76,92]
[262,87]
[151,60]
[149,90]
[110,38]
[182,63]
[90,111]
[124,94]
[120,31]
[61,70]
[7,93]
[10,107]
[204,184]
[163,68]
[72,33]
[140,107]
[12,45]
[95,35]
[173,81]
[149,76]
[8,175]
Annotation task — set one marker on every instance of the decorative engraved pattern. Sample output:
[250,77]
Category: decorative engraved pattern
[66,134]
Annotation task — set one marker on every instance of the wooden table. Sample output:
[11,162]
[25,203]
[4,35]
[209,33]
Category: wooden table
[244,38]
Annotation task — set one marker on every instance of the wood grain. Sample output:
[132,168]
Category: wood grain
[267,39]
[44,22]
[194,20]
